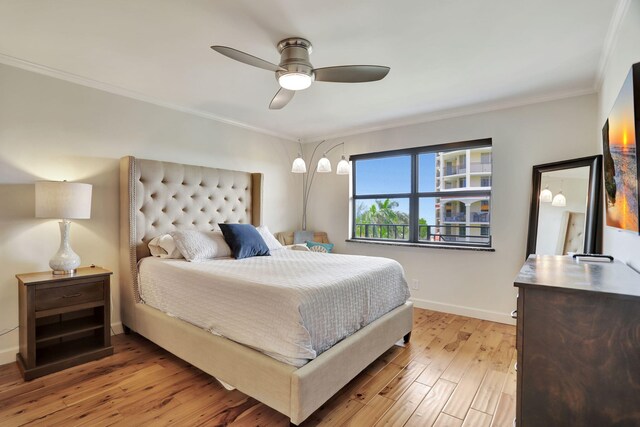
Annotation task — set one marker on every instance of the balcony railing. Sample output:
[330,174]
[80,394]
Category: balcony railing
[427,233]
[480,217]
[480,167]
[455,170]
[433,233]
[383,231]
[462,217]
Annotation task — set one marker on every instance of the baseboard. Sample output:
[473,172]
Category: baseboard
[116,328]
[9,355]
[493,316]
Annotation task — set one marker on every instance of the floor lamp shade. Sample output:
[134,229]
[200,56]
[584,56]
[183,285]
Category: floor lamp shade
[299,166]
[65,201]
[559,200]
[343,167]
[324,165]
[546,196]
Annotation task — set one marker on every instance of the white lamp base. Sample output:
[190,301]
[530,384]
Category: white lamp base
[65,261]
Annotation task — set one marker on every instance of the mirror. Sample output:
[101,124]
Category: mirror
[565,207]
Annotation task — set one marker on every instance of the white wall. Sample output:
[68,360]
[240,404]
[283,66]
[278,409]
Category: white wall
[51,129]
[623,245]
[468,282]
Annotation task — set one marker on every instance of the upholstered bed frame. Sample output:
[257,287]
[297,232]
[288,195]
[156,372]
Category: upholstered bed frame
[160,197]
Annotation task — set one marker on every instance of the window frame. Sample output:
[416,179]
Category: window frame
[415,195]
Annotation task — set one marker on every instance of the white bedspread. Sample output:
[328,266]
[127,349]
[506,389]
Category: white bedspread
[291,305]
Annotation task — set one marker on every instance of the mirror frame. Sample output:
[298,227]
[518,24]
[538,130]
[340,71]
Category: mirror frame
[594,197]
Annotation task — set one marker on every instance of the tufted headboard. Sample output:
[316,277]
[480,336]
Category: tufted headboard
[160,197]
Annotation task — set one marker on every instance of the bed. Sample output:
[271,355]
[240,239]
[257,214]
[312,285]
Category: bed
[160,197]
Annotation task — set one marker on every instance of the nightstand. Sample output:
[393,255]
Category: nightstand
[64,320]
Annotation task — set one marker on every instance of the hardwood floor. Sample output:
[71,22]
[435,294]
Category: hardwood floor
[456,371]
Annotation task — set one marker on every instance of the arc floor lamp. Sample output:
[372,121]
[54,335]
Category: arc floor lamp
[324,166]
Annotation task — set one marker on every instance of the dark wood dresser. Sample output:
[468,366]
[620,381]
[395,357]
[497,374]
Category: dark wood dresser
[64,320]
[578,342]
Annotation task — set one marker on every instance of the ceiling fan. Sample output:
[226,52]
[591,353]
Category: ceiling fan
[295,72]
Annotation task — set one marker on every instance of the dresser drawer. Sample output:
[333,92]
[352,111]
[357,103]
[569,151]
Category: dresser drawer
[64,296]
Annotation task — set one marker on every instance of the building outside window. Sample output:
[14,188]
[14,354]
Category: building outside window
[436,195]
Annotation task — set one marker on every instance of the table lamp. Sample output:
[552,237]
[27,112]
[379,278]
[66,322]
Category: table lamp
[63,200]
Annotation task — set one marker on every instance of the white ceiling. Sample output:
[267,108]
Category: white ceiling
[445,55]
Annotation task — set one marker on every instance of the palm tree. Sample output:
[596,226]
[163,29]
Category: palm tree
[381,212]
[386,212]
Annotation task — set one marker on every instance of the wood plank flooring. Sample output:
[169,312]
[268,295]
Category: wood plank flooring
[456,371]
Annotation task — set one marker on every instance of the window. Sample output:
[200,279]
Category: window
[436,195]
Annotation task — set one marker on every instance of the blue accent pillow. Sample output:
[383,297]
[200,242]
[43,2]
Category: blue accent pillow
[319,247]
[244,240]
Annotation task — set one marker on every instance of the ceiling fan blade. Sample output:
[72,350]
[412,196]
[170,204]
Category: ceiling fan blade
[351,73]
[246,58]
[281,99]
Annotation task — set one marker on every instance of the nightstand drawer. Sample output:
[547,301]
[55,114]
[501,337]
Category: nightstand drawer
[63,296]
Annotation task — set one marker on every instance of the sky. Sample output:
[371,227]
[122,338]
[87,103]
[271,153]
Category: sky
[393,175]
[621,120]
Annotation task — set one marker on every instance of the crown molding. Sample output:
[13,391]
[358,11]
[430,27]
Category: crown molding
[392,123]
[117,90]
[611,40]
[458,112]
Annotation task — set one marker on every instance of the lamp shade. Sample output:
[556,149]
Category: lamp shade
[324,165]
[343,167]
[546,196]
[559,200]
[299,166]
[63,200]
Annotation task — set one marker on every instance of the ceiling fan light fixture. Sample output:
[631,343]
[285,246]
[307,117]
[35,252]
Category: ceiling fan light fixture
[295,72]
[295,81]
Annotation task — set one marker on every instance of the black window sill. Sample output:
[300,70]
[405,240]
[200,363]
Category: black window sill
[423,245]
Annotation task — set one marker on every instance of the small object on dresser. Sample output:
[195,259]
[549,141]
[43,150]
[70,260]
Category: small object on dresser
[64,320]
[592,258]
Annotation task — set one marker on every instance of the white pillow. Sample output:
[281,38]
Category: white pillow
[298,247]
[269,239]
[201,245]
[164,247]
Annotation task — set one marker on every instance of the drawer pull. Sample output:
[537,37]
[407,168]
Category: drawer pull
[72,295]
[514,314]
